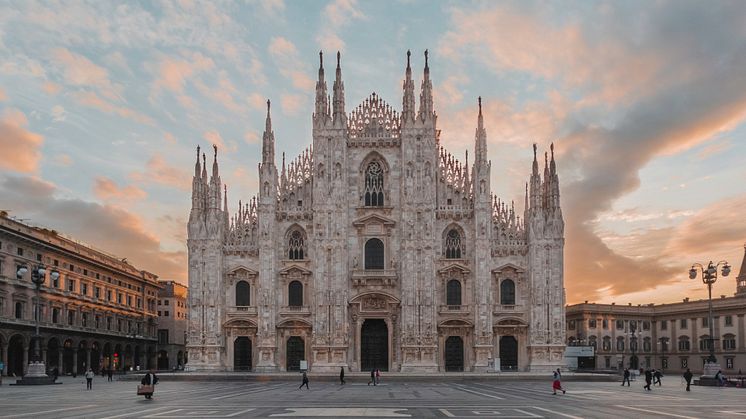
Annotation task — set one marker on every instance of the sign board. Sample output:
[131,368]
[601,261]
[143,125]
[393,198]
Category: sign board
[303,365]
[578,351]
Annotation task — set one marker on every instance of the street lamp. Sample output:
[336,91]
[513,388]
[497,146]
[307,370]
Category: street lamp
[633,345]
[709,276]
[36,369]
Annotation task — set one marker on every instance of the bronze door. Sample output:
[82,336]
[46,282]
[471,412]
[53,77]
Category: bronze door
[242,354]
[508,353]
[374,345]
[454,353]
[295,353]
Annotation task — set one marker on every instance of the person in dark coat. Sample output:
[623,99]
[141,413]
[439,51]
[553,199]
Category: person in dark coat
[648,379]
[625,378]
[149,379]
[341,375]
[657,375]
[372,376]
[110,373]
[688,378]
[304,382]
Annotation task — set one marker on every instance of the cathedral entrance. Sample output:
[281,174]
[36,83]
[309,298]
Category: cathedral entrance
[374,345]
[295,352]
[454,353]
[241,354]
[508,353]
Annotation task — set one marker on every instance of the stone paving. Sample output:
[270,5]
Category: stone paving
[496,398]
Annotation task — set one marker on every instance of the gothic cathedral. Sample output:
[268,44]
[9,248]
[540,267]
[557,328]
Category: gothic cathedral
[375,248]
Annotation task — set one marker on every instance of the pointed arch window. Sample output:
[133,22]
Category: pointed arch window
[374,185]
[242,294]
[453,293]
[295,294]
[507,292]
[296,245]
[453,244]
[374,254]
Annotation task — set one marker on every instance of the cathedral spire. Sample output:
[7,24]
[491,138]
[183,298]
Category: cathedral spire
[426,94]
[268,140]
[215,161]
[204,167]
[408,106]
[339,96]
[322,106]
[196,165]
[480,137]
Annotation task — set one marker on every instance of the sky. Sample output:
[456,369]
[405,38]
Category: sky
[102,105]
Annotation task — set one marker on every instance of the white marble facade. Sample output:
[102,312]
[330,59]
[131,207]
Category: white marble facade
[376,248]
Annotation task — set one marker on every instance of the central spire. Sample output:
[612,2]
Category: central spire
[426,95]
[408,105]
[268,140]
[321,112]
[339,96]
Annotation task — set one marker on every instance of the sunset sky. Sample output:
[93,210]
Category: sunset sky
[102,105]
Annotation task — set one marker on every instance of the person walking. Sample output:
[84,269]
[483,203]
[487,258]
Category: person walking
[657,374]
[625,377]
[55,374]
[372,376]
[150,379]
[378,376]
[648,379]
[109,374]
[557,382]
[89,379]
[304,382]
[688,378]
[341,375]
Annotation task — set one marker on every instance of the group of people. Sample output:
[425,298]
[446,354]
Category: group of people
[375,378]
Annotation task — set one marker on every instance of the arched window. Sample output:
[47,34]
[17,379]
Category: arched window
[453,293]
[684,344]
[243,294]
[453,244]
[729,341]
[507,292]
[646,345]
[296,245]
[606,344]
[374,185]
[374,254]
[620,344]
[295,294]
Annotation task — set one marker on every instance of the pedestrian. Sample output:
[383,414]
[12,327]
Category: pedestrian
[55,374]
[557,382]
[109,374]
[688,378]
[341,375]
[304,382]
[372,376]
[378,376]
[89,379]
[720,378]
[625,378]
[657,374]
[648,380]
[150,379]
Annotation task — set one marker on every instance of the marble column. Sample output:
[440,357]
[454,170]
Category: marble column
[44,355]
[25,359]
[87,358]
[60,358]
[75,361]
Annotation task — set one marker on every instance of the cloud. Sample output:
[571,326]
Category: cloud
[158,171]
[214,137]
[20,147]
[58,113]
[109,228]
[62,160]
[336,15]
[79,71]
[288,61]
[251,137]
[257,101]
[291,104]
[174,73]
[106,189]
[3,96]
[169,138]
[93,100]
[51,88]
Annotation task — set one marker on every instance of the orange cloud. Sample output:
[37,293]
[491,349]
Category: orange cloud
[173,73]
[3,96]
[20,147]
[158,171]
[91,99]
[80,71]
[291,104]
[106,189]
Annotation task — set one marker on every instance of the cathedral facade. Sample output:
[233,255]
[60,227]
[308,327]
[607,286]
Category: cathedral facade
[375,248]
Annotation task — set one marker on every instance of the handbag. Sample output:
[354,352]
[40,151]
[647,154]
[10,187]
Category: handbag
[144,389]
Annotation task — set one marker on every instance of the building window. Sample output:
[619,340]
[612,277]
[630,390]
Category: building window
[729,342]
[592,323]
[55,315]
[97,292]
[704,343]
[453,293]
[682,324]
[607,362]
[166,302]
[19,251]
[84,288]
[606,344]
[633,344]
[295,294]
[645,325]
[119,298]
[684,344]
[129,300]
[664,363]
[71,285]
[620,344]
[374,254]
[108,323]
[19,310]
[70,317]
[374,185]
[592,342]
[243,294]
[453,244]
[571,325]
[620,324]
[296,245]
[98,321]
[84,319]
[605,323]
[664,344]
[108,295]
[165,313]
[729,363]
[646,345]
[507,292]
[705,322]
[684,363]
[729,320]
[664,324]
[56,281]
[163,336]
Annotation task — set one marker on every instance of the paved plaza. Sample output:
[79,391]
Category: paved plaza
[448,399]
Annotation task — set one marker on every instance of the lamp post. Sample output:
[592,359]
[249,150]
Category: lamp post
[633,345]
[36,369]
[663,342]
[709,276]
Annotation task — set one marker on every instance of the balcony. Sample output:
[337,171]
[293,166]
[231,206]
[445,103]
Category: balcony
[453,309]
[503,308]
[295,311]
[374,277]
[241,310]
